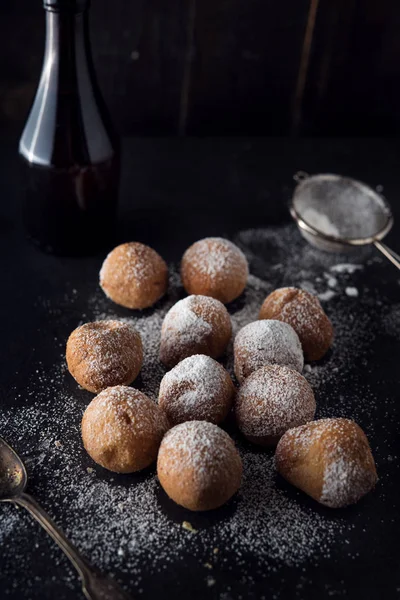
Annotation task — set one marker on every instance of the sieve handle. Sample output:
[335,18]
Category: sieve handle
[390,255]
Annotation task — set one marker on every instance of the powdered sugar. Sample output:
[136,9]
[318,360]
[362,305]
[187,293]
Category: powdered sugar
[216,256]
[247,311]
[326,296]
[104,353]
[391,321]
[149,328]
[215,267]
[343,455]
[198,465]
[304,313]
[195,325]
[344,481]
[125,524]
[136,261]
[266,342]
[187,324]
[198,388]
[134,275]
[331,280]
[346,268]
[272,400]
[305,316]
[351,291]
[122,409]
[320,222]
[199,446]
[8,525]
[340,206]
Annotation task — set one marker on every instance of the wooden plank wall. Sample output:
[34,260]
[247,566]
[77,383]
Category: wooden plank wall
[354,77]
[225,67]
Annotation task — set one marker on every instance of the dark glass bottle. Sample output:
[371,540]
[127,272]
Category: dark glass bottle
[69,151]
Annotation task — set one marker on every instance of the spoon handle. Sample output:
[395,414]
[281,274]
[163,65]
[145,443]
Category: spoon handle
[94,585]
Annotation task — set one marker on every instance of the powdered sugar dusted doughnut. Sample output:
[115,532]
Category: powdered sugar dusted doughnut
[134,275]
[271,401]
[214,267]
[304,313]
[194,325]
[197,389]
[266,342]
[330,460]
[199,466]
[122,429]
[104,353]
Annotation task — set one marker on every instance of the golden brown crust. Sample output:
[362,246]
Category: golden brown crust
[199,466]
[197,389]
[194,325]
[330,460]
[122,429]
[134,275]
[266,342]
[304,313]
[214,267]
[104,353]
[272,400]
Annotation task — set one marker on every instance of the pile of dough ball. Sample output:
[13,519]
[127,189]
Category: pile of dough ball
[264,343]
[122,429]
[134,275]
[214,267]
[330,460]
[304,313]
[194,325]
[104,353]
[197,389]
[198,465]
[272,400]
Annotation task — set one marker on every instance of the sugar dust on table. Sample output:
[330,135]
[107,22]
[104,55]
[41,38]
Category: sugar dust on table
[127,527]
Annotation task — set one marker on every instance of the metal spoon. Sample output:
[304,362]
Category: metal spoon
[13,479]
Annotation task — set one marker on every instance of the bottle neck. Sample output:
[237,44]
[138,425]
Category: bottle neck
[67,40]
[68,123]
[71,6]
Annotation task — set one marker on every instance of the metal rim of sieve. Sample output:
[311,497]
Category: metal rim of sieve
[302,177]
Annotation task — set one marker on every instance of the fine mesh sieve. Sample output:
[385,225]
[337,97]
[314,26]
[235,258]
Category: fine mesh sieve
[335,213]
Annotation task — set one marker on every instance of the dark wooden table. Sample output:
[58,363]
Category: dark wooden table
[173,192]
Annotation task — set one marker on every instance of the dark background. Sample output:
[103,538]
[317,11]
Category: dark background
[254,68]
[173,192]
[224,67]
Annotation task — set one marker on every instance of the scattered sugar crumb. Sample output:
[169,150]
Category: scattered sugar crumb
[104,515]
[330,280]
[351,291]
[189,527]
[326,296]
[391,321]
[346,268]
